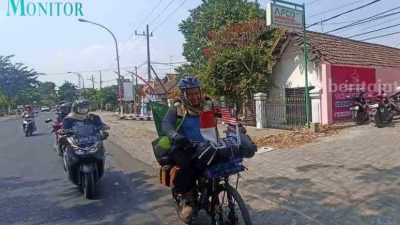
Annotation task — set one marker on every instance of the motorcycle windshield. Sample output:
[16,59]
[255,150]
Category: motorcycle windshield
[85,134]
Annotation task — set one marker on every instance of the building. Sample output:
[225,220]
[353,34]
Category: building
[337,67]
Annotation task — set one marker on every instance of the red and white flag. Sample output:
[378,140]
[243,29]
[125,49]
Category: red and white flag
[226,116]
[208,126]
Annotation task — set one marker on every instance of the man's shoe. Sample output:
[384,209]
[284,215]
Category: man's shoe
[185,208]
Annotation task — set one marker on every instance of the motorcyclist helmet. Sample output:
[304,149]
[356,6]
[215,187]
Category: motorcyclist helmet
[65,108]
[81,107]
[28,107]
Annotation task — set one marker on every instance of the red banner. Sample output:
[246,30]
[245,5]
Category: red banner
[348,81]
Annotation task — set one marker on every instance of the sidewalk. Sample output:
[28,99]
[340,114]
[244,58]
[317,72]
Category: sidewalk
[352,178]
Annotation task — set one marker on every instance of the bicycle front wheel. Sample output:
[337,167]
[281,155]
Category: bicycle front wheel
[230,208]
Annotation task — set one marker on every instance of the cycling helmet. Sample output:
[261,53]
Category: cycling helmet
[188,82]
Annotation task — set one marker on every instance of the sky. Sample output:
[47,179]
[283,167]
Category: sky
[55,45]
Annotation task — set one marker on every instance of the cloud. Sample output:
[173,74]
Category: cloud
[94,50]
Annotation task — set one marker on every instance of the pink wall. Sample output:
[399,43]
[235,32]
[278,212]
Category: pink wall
[388,77]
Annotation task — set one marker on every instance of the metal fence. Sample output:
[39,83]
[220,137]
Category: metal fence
[288,113]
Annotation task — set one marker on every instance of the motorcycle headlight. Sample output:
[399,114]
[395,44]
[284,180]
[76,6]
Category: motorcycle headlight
[95,147]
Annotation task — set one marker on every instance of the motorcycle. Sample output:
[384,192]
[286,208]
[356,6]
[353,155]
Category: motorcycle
[27,124]
[380,110]
[84,156]
[394,104]
[359,109]
[56,126]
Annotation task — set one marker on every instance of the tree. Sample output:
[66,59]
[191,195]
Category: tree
[239,59]
[29,95]
[210,16]
[108,96]
[15,77]
[3,101]
[67,92]
[48,94]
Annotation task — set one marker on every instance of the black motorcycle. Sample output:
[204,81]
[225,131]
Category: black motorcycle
[380,111]
[84,156]
[359,109]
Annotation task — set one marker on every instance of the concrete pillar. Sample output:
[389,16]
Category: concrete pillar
[260,110]
[315,96]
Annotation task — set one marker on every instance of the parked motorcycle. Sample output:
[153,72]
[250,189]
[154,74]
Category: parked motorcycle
[56,146]
[393,103]
[380,110]
[28,126]
[84,156]
[359,109]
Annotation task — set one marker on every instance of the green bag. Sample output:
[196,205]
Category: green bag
[162,145]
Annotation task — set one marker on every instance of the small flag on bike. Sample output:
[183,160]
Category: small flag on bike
[208,126]
[226,116]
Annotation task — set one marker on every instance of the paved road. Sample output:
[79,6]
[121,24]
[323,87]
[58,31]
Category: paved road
[34,188]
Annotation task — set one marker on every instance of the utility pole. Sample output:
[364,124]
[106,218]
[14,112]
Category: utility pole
[136,93]
[101,81]
[92,79]
[170,64]
[148,49]
[322,27]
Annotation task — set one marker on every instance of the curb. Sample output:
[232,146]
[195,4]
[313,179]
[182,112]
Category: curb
[136,118]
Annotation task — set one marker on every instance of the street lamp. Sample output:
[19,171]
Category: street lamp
[83,81]
[119,72]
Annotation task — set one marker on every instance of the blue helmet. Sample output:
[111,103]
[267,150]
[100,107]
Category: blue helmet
[188,82]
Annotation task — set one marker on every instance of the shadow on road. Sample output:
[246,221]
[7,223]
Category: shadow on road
[302,202]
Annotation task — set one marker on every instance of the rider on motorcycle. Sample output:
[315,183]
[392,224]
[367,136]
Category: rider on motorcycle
[28,112]
[63,110]
[80,115]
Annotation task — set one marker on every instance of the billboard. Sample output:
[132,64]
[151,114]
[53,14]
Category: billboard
[128,91]
[347,81]
[284,17]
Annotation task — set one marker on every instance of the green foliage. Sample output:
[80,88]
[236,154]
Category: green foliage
[3,99]
[208,17]
[48,94]
[238,61]
[67,92]
[15,77]
[29,95]
[108,96]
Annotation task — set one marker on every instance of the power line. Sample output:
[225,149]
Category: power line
[169,15]
[162,11]
[366,20]
[343,13]
[372,31]
[340,7]
[386,21]
[141,23]
[167,63]
[148,15]
[87,71]
[384,35]
[312,2]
